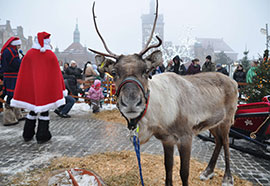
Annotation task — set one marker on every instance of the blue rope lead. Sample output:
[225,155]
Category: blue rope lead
[136,143]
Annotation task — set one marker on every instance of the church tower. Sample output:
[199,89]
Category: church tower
[147,24]
[76,33]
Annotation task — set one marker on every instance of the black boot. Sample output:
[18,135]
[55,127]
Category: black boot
[43,134]
[29,129]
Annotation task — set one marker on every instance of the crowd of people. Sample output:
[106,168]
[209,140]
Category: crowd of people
[177,66]
[74,78]
[36,82]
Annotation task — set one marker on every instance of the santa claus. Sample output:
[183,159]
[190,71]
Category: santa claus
[40,87]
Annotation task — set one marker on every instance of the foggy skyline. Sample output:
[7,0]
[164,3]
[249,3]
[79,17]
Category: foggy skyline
[238,22]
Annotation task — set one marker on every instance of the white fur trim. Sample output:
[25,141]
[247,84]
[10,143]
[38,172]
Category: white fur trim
[65,92]
[44,118]
[37,109]
[42,49]
[16,42]
[31,117]
[46,46]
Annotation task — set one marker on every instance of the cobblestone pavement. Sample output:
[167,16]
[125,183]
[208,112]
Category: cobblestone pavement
[81,135]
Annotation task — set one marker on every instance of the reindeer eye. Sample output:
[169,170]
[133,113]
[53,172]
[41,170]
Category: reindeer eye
[145,73]
[113,73]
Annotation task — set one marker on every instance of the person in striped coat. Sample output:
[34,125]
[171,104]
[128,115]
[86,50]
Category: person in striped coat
[10,64]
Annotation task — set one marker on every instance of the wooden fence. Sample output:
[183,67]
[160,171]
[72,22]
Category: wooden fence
[109,90]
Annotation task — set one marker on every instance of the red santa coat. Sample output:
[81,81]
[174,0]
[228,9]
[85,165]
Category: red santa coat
[40,83]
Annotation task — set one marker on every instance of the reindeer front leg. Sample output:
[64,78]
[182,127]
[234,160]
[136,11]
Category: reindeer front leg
[168,162]
[185,151]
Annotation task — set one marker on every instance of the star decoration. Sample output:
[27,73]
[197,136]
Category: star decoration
[248,122]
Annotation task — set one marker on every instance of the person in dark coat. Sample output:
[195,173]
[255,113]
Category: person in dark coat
[208,65]
[10,65]
[239,74]
[74,70]
[63,110]
[66,65]
[222,70]
[194,67]
[176,66]
[71,84]
[1,88]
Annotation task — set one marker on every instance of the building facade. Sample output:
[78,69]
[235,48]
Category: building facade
[6,31]
[213,47]
[75,51]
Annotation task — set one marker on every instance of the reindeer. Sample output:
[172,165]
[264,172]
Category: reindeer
[171,107]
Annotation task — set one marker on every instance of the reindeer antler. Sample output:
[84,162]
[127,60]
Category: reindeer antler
[112,55]
[146,48]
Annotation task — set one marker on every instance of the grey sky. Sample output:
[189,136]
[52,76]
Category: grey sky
[238,22]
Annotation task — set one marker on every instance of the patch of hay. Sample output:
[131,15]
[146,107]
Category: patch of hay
[121,169]
[113,116]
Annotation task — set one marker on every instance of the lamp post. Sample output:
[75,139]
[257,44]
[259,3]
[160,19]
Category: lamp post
[265,31]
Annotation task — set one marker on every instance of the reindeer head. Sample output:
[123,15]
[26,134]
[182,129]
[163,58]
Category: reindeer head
[130,73]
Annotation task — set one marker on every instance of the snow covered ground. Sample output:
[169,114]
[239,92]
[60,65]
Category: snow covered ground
[82,108]
[13,135]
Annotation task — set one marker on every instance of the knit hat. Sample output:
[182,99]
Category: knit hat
[96,83]
[218,65]
[209,57]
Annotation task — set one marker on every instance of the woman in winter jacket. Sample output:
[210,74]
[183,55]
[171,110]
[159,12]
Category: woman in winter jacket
[239,74]
[194,67]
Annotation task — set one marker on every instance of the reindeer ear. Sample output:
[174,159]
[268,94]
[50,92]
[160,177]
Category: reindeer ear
[153,60]
[104,64]
[99,59]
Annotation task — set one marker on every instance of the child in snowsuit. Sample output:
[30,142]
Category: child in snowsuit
[95,94]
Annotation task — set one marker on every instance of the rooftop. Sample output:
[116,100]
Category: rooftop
[218,44]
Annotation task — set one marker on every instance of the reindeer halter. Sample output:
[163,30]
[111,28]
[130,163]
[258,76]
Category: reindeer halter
[132,124]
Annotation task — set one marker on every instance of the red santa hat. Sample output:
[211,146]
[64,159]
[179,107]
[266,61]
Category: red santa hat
[41,36]
[14,41]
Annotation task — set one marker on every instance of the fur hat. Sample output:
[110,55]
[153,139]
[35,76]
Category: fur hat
[73,62]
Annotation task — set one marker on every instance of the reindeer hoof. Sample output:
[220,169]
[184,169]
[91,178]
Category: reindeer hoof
[227,181]
[205,176]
